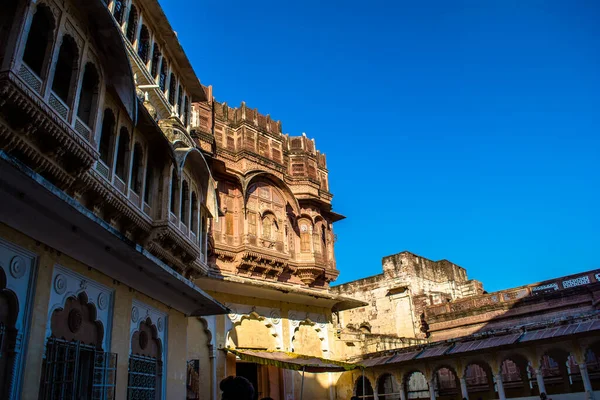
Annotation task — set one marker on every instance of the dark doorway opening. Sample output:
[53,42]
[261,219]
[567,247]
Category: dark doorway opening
[250,372]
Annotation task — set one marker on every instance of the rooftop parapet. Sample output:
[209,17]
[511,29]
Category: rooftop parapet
[514,294]
[236,116]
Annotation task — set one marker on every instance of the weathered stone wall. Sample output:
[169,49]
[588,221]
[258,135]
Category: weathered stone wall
[397,298]
[541,302]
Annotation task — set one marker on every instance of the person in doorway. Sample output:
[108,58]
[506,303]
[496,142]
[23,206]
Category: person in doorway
[236,388]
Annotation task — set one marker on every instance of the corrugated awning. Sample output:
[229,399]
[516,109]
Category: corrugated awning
[404,357]
[434,352]
[293,361]
[571,329]
[371,362]
[481,344]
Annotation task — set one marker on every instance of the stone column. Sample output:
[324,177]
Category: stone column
[402,393]
[540,380]
[585,377]
[500,386]
[463,388]
[432,389]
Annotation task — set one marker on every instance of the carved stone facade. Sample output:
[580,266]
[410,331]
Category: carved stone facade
[277,221]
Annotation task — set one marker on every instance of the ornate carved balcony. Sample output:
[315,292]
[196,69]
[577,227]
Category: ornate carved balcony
[39,136]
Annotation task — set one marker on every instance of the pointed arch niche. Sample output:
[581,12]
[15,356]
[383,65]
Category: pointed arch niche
[148,351]
[253,331]
[68,287]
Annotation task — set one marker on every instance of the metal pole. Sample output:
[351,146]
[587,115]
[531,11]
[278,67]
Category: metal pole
[302,385]
[363,380]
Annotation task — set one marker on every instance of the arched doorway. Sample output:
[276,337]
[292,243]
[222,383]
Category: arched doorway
[388,388]
[363,388]
[75,365]
[446,383]
[416,386]
[145,363]
[308,340]
[252,332]
[199,360]
[515,378]
[556,372]
[479,379]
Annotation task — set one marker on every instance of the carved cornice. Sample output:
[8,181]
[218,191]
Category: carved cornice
[167,242]
[41,135]
[107,194]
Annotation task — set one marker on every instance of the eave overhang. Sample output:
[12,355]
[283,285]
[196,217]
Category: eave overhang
[112,51]
[277,292]
[167,34]
[35,207]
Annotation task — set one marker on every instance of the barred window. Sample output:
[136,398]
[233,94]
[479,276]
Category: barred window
[65,71]
[144,44]
[172,88]
[155,60]
[119,11]
[88,96]
[73,370]
[132,24]
[179,100]
[145,363]
[122,153]
[162,80]
[137,168]
[106,135]
[39,39]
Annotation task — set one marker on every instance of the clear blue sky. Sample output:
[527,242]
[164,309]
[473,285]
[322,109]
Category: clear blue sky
[465,130]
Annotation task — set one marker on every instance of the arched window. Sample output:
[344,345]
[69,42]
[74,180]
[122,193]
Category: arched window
[39,39]
[66,69]
[172,88]
[122,151]
[417,386]
[186,111]
[144,44]
[88,95]
[363,389]
[174,190]
[106,135]
[185,203]
[137,169]
[155,61]
[387,388]
[162,79]
[266,228]
[194,213]
[304,238]
[132,24]
[145,363]
[119,10]
[179,99]
[269,227]
[149,187]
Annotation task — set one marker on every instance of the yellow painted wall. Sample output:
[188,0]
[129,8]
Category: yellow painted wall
[123,296]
